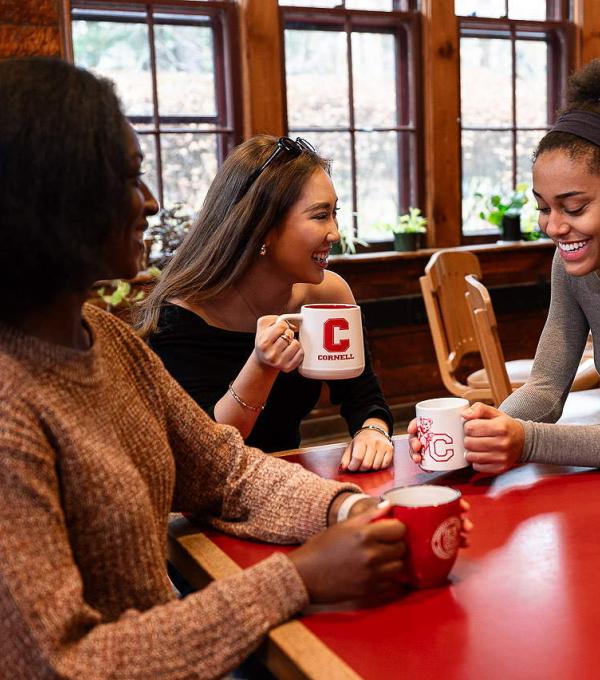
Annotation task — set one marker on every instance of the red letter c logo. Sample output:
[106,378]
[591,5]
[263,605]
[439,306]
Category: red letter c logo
[329,339]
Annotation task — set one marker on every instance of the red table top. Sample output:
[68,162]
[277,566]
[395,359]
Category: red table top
[523,600]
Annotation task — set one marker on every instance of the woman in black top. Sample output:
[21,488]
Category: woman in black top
[258,249]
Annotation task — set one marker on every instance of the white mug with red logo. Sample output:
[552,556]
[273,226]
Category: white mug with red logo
[440,429]
[332,339]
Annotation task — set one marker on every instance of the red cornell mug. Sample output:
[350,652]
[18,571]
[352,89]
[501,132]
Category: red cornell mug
[432,518]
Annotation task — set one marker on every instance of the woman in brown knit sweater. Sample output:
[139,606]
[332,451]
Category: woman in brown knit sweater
[98,443]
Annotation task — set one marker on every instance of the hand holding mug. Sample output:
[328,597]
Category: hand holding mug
[275,345]
[437,434]
[332,340]
[435,529]
[352,559]
[494,441]
[414,444]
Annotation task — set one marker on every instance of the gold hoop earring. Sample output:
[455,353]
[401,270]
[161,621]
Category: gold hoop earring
[263,250]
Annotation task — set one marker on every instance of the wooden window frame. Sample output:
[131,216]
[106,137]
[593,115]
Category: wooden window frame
[403,24]
[555,32]
[223,19]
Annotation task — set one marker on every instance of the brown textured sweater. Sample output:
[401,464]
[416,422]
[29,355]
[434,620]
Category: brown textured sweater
[96,447]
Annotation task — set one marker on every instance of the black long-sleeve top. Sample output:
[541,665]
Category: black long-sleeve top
[205,360]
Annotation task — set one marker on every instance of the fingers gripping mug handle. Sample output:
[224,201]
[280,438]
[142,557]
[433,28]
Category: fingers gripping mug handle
[294,318]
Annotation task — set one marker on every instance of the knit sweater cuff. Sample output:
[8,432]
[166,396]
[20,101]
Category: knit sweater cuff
[529,440]
[275,591]
[312,514]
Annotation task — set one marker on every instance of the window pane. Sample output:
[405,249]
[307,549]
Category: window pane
[189,165]
[527,9]
[480,8]
[120,52]
[185,70]
[532,83]
[377,182]
[526,145]
[335,146]
[485,82]
[149,167]
[374,70]
[316,78]
[486,168]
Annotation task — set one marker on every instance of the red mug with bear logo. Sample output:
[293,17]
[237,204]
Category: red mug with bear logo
[432,518]
[332,340]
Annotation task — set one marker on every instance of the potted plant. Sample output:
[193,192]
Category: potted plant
[505,211]
[118,296]
[347,243]
[408,230]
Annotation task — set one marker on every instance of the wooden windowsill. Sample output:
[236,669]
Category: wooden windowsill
[498,247]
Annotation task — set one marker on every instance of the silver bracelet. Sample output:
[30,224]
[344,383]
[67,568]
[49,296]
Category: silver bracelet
[376,428]
[347,505]
[241,402]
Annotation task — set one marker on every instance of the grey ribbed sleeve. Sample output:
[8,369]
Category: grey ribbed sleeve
[574,310]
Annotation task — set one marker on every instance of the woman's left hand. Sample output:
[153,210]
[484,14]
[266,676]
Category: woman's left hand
[368,450]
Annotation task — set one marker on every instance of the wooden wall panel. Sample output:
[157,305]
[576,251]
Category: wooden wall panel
[30,27]
[262,54]
[586,16]
[441,101]
[383,275]
[24,41]
[33,12]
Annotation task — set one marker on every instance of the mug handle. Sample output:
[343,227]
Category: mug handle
[295,318]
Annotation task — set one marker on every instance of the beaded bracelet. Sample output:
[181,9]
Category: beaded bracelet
[241,402]
[376,428]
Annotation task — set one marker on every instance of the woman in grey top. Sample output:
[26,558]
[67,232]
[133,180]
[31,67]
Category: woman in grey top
[566,184]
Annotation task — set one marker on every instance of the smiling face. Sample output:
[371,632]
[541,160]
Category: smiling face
[299,248]
[568,197]
[126,246]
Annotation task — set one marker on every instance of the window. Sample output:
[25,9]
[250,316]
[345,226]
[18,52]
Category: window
[513,67]
[175,71]
[351,91]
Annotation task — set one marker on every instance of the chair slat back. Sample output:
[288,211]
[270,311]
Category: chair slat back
[447,270]
[486,331]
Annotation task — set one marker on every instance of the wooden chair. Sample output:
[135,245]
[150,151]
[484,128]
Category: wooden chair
[582,407]
[443,287]
[486,332]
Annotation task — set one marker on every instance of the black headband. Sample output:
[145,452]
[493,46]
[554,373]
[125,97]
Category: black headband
[584,124]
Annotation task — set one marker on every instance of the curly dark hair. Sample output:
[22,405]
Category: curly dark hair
[63,179]
[583,95]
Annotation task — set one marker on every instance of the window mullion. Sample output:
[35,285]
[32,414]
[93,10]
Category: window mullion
[155,105]
[351,120]
[513,56]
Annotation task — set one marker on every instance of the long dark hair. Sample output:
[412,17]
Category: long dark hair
[226,237]
[583,95]
[63,186]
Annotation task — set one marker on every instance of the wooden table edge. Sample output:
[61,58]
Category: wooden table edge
[291,651]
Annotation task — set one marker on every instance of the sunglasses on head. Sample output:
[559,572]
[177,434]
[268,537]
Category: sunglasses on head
[284,145]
